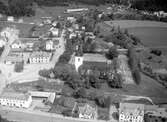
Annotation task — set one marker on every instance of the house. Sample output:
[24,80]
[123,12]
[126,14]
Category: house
[54,31]
[15,99]
[52,44]
[72,35]
[91,60]
[10,19]
[71,19]
[87,111]
[154,113]
[40,57]
[20,20]
[54,23]
[17,44]
[131,112]
[76,26]
[50,96]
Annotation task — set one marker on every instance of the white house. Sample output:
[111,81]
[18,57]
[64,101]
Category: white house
[40,57]
[14,99]
[71,19]
[52,44]
[54,23]
[72,35]
[76,26]
[10,19]
[20,20]
[54,31]
[78,61]
[17,45]
[131,112]
[87,112]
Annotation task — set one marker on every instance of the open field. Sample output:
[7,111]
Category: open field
[151,33]
[135,23]
[151,36]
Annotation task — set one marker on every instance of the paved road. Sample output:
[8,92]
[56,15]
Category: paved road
[25,115]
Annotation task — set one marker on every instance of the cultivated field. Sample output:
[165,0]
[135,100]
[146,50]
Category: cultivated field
[135,23]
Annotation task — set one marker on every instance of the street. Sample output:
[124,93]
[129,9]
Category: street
[24,115]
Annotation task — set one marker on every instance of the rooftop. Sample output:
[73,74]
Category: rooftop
[132,108]
[40,54]
[87,109]
[94,57]
[14,95]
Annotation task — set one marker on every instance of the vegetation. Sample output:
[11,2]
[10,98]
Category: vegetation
[19,67]
[134,65]
[17,8]
[150,5]
[1,50]
[115,81]
[3,120]
[112,53]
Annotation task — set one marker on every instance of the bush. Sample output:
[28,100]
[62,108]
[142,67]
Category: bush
[18,8]
[19,67]
[67,112]
[44,73]
[103,101]
[112,53]
[116,82]
[134,65]
[156,52]
[137,76]
[80,93]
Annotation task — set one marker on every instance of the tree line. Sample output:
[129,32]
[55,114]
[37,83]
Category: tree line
[17,8]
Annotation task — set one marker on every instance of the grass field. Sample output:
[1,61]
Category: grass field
[151,36]
[151,33]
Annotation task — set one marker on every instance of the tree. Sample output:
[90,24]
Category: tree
[94,81]
[45,73]
[103,101]
[112,53]
[67,112]
[80,93]
[19,67]
[115,81]
[18,8]
[137,76]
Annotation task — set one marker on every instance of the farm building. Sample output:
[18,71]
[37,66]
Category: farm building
[91,61]
[50,96]
[76,10]
[131,112]
[40,57]
[15,99]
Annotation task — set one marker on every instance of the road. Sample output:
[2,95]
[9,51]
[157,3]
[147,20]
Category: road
[24,115]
